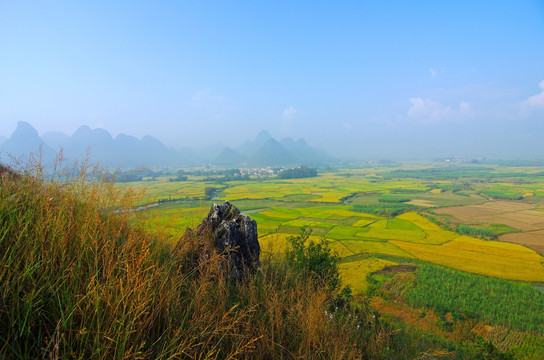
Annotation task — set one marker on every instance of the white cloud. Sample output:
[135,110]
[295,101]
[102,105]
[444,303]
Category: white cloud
[426,110]
[430,111]
[346,125]
[538,99]
[434,72]
[289,113]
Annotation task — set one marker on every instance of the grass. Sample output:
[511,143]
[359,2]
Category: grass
[83,278]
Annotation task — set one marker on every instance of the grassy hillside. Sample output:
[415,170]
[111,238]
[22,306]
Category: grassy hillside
[78,281]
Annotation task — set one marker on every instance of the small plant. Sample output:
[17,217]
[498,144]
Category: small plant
[313,258]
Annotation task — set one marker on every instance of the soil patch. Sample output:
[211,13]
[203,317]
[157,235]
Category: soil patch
[394,269]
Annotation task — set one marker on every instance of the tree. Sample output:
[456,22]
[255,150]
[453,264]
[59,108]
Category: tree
[314,259]
[210,192]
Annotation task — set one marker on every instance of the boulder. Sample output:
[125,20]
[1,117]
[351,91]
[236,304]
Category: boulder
[233,234]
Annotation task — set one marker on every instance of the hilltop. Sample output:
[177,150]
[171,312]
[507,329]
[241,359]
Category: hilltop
[80,280]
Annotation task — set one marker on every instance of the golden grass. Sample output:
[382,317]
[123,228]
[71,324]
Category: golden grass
[79,281]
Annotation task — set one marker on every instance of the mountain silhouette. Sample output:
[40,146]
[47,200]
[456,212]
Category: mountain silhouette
[126,151]
[271,154]
[24,141]
[229,157]
[251,147]
[305,154]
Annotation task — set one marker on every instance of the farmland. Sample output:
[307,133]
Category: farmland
[432,214]
[462,218]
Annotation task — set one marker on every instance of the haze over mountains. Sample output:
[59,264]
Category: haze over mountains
[127,151]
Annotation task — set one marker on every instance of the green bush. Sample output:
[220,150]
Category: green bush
[313,259]
[384,209]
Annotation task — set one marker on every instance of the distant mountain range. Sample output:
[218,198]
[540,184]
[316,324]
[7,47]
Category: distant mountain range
[126,151]
[267,151]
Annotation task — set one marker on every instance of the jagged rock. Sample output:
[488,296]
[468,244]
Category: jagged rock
[233,234]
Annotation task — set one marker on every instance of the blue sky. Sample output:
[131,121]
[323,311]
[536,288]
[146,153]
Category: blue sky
[359,79]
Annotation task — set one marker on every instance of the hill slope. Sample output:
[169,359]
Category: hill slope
[229,157]
[78,281]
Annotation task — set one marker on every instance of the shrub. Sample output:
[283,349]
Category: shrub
[313,259]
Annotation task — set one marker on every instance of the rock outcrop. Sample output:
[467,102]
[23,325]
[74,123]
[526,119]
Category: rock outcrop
[234,235]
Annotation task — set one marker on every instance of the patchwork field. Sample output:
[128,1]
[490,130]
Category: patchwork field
[526,219]
[387,222]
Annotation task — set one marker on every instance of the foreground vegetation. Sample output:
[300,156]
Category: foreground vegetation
[78,281]
[83,275]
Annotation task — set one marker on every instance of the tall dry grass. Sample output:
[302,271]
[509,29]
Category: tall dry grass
[80,278]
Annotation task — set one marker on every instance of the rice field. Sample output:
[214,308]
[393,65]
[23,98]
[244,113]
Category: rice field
[282,207]
[354,273]
[481,257]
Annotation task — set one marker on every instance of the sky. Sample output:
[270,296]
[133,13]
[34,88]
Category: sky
[360,79]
